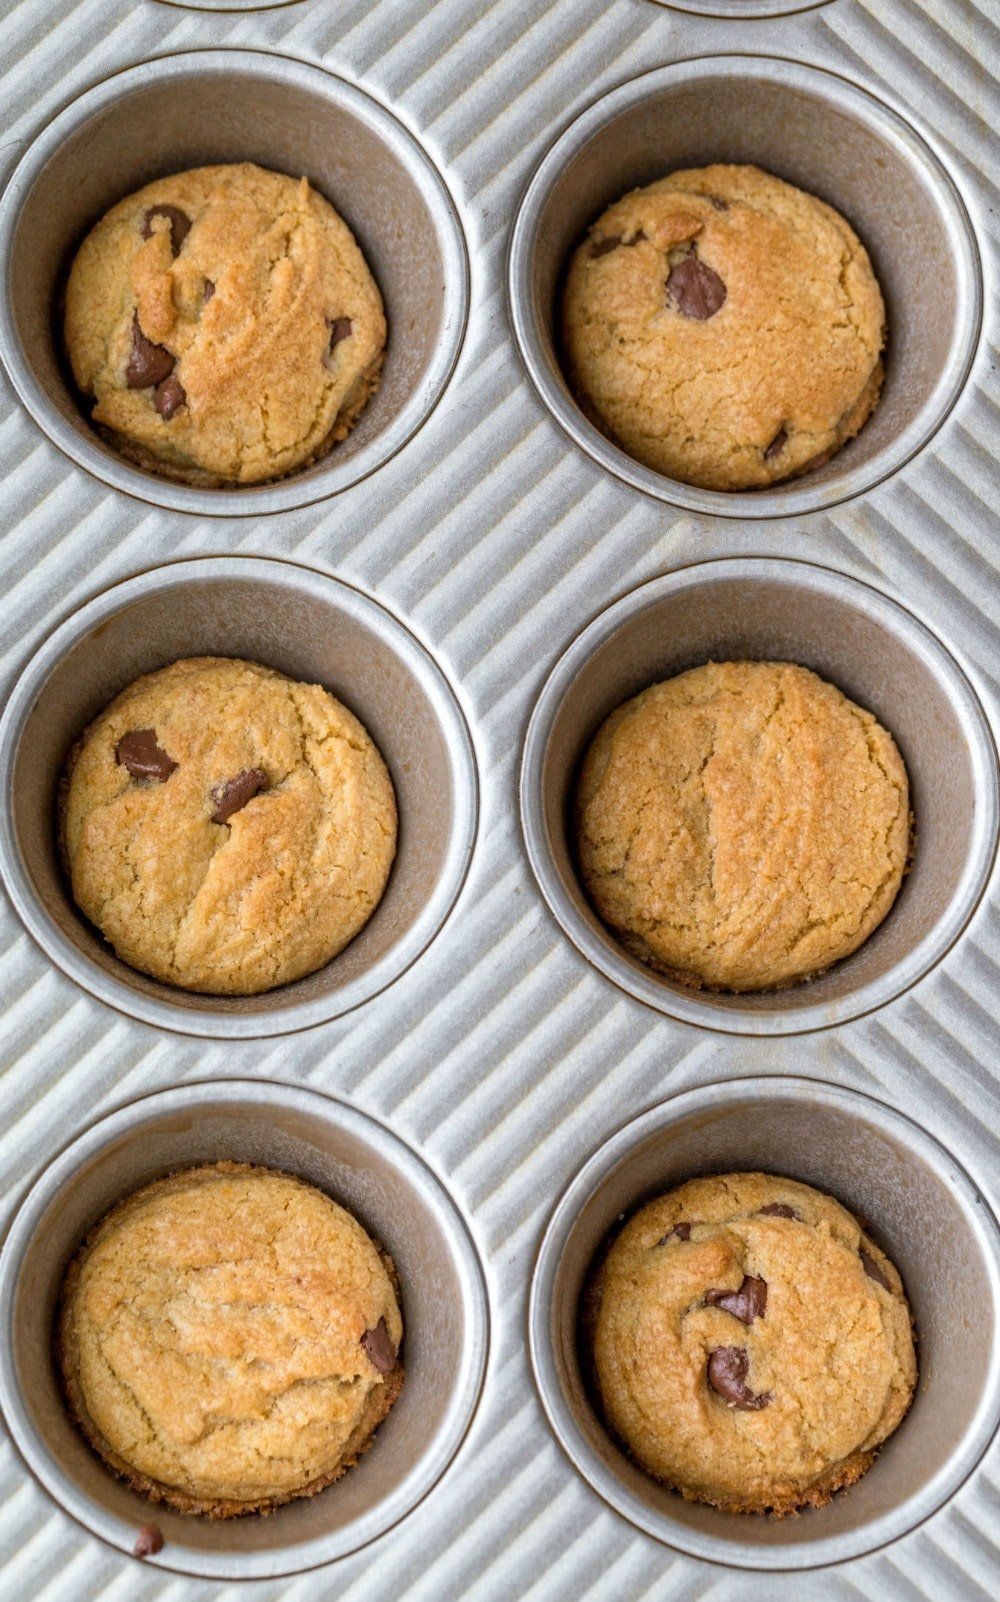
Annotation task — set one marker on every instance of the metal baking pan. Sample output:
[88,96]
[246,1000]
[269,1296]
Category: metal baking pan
[480,575]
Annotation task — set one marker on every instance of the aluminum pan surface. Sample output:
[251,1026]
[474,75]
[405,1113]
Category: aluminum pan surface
[495,540]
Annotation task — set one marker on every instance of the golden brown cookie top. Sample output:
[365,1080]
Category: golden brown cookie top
[753,1347]
[224,319]
[743,825]
[223,1334]
[227,829]
[724,327]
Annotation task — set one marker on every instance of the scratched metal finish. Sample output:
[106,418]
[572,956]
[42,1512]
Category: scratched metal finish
[501,1056]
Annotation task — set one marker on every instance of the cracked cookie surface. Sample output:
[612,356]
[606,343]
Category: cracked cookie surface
[751,1346]
[226,324]
[724,328]
[227,829]
[228,1339]
[743,825]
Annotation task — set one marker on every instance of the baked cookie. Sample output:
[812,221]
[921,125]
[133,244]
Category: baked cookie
[227,829]
[724,328]
[752,1347]
[226,324]
[228,1339]
[742,826]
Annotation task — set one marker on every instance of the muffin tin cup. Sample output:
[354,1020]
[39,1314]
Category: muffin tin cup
[734,10]
[221,105]
[239,7]
[313,628]
[398,1200]
[917,1202]
[827,136]
[878,654]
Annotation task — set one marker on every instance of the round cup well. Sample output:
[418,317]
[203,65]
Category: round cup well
[313,628]
[878,654]
[363,1166]
[830,138]
[211,106]
[743,10]
[917,1202]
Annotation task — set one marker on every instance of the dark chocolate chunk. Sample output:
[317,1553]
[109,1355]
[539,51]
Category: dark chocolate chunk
[682,1231]
[719,203]
[777,445]
[746,1304]
[169,397]
[379,1347]
[778,1210]
[872,1269]
[604,247]
[695,289]
[148,1542]
[235,793]
[208,291]
[340,328]
[139,752]
[727,1371]
[148,364]
[180,224]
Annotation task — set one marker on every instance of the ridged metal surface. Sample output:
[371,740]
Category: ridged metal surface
[501,1056]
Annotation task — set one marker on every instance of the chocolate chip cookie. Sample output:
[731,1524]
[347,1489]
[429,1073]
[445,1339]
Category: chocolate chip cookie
[743,825]
[226,324]
[724,328]
[227,829]
[752,1347]
[228,1339]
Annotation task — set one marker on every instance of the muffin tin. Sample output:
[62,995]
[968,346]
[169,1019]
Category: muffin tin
[481,577]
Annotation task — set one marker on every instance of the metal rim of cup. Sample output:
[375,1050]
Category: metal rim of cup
[127,1122]
[239,8]
[163,1013]
[296,490]
[895,130]
[598,945]
[559,1409]
[750,10]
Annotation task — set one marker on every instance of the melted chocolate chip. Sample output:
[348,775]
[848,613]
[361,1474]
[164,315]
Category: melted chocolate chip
[340,328]
[208,291]
[727,1372]
[604,247]
[148,1542]
[746,1304]
[682,1231]
[820,460]
[378,1344]
[872,1269]
[695,289]
[180,224]
[235,793]
[139,752]
[777,445]
[778,1210]
[169,397]
[719,203]
[148,364]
